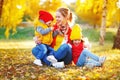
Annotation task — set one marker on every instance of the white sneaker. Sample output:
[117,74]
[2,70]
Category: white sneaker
[102,59]
[58,65]
[38,62]
[52,59]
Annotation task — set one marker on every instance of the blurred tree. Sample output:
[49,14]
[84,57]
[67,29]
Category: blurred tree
[33,7]
[98,12]
[31,11]
[116,44]
[51,5]
[1,4]
[14,11]
[117,37]
[89,11]
[103,23]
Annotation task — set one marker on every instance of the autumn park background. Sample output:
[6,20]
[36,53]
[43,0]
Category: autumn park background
[99,20]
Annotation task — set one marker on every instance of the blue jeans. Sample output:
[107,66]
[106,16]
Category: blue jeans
[40,50]
[93,62]
[64,53]
[82,60]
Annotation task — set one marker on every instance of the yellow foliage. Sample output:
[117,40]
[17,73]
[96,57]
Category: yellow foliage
[32,8]
[91,11]
[14,10]
[12,13]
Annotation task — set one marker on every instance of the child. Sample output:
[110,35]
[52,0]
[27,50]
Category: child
[80,54]
[43,38]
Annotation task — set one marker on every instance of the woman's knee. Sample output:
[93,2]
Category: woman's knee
[65,46]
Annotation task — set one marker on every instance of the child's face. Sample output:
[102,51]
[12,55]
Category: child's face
[49,23]
[76,42]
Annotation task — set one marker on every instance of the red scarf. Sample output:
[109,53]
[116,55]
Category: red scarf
[76,51]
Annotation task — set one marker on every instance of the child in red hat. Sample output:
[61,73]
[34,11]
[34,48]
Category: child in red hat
[43,38]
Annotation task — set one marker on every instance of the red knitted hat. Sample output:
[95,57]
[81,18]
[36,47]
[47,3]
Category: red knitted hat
[45,16]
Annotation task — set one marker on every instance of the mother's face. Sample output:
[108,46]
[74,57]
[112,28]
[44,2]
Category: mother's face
[60,19]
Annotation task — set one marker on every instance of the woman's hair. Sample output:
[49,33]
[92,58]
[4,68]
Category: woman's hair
[66,13]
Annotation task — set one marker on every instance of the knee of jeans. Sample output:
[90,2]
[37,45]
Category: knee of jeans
[65,46]
[34,51]
[84,51]
[45,51]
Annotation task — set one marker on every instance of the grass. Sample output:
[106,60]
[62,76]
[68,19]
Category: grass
[93,34]
[27,33]
[23,33]
[17,63]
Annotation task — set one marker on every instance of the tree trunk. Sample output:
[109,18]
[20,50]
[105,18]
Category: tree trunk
[103,24]
[1,4]
[94,26]
[116,44]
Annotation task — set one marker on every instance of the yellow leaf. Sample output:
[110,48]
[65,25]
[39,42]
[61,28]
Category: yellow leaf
[27,74]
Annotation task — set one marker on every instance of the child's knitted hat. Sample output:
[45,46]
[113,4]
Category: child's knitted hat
[45,16]
[76,32]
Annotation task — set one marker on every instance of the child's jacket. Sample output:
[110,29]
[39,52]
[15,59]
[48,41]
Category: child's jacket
[45,39]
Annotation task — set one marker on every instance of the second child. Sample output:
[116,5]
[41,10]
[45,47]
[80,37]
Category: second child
[80,55]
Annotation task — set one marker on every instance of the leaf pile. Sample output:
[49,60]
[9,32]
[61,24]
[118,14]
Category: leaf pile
[17,64]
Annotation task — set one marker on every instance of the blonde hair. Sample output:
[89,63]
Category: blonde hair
[65,13]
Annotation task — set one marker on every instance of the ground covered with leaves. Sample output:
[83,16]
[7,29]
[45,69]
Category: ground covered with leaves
[17,64]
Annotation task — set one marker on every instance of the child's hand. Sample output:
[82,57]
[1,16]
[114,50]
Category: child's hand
[36,40]
[86,43]
[52,28]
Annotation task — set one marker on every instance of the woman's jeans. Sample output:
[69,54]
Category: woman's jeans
[83,59]
[64,53]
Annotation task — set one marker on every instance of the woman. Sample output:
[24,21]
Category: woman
[61,38]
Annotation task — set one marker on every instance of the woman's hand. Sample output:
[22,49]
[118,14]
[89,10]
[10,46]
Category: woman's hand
[59,32]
